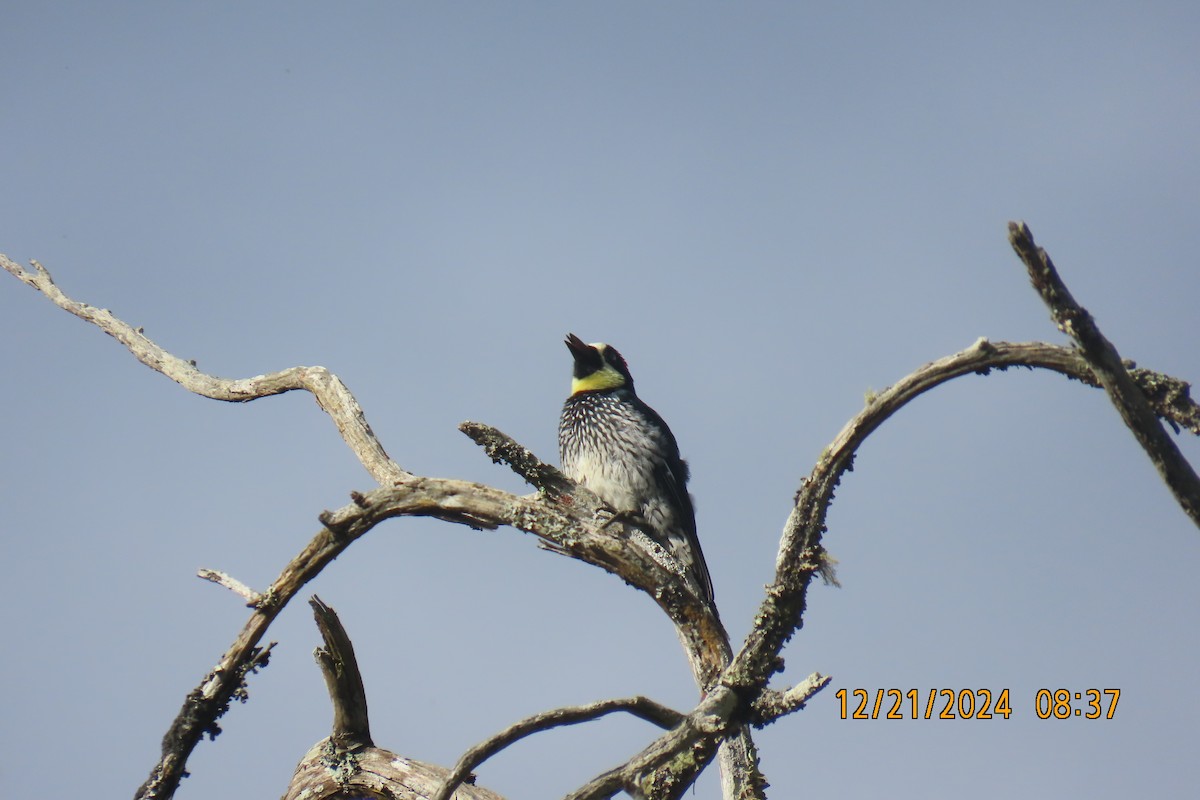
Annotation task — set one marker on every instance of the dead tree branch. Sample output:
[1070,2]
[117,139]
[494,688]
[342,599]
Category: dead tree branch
[347,763]
[701,633]
[343,679]
[771,705]
[1074,320]
[330,393]
[669,765]
[800,552]
[564,517]
[801,555]
[704,637]
[570,526]
[640,707]
[232,584]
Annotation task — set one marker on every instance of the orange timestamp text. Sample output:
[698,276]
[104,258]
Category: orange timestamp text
[973,703]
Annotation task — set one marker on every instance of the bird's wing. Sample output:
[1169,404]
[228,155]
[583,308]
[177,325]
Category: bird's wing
[673,474]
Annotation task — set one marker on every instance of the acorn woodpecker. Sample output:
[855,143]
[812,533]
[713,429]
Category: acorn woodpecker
[620,448]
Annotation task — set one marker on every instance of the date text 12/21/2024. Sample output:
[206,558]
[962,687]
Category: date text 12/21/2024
[974,704]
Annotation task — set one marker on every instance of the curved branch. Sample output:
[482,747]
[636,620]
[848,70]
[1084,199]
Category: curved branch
[459,502]
[641,707]
[565,518]
[1074,320]
[801,555]
[330,393]
[570,524]
[669,765]
[800,552]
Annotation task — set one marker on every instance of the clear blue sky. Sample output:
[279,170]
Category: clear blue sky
[769,208]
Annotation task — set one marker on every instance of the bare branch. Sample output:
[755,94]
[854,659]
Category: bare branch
[564,516]
[503,450]
[230,583]
[351,725]
[330,393]
[640,707]
[704,637]
[202,708]
[572,526]
[346,763]
[669,765]
[801,555]
[772,705]
[1074,320]
[460,502]
[700,631]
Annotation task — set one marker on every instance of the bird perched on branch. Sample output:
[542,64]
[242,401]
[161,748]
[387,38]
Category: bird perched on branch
[620,448]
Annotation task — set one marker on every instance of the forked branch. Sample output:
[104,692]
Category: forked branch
[564,517]
[801,554]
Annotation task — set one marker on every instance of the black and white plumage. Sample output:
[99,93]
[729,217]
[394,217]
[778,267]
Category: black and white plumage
[621,449]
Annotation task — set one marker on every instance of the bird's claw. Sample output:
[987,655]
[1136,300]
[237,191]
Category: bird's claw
[608,516]
[633,519]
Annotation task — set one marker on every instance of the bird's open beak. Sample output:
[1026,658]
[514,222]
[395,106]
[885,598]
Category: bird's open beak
[578,347]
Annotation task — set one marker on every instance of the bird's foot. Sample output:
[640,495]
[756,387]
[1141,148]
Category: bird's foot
[632,518]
